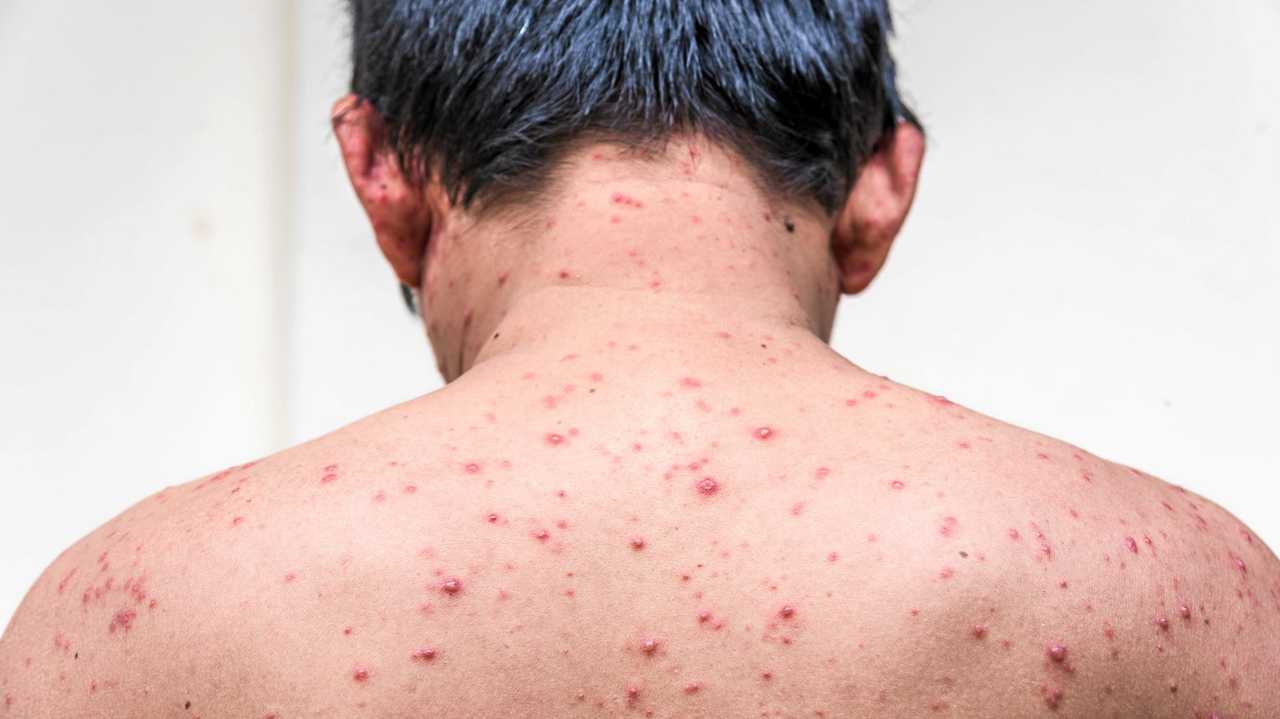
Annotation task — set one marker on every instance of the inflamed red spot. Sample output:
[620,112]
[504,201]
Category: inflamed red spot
[1052,697]
[554,439]
[619,198]
[62,585]
[451,586]
[708,486]
[424,654]
[1057,653]
[764,433]
[637,543]
[948,526]
[360,674]
[122,620]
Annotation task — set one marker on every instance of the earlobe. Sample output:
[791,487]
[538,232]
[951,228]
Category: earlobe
[397,209]
[877,207]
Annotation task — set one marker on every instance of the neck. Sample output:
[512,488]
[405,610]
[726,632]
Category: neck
[677,250]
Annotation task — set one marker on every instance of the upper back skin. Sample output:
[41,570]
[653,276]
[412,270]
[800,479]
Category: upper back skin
[622,532]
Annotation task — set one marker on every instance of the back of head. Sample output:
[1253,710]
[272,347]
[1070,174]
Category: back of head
[484,96]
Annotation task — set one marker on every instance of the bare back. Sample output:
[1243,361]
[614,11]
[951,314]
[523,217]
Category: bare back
[611,533]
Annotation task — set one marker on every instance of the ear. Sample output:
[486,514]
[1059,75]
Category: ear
[397,210]
[868,223]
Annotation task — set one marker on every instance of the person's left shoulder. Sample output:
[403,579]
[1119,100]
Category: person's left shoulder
[102,620]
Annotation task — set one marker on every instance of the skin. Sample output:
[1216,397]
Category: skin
[651,489]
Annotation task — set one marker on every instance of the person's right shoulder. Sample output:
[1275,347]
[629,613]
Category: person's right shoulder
[1207,590]
[1164,599]
[1180,598]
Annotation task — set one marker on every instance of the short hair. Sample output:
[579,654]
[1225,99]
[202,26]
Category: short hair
[485,96]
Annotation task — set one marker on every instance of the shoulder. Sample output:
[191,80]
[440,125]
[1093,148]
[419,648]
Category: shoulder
[79,618]
[1161,598]
[109,627]
[200,587]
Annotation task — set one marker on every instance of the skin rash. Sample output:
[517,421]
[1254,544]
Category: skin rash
[651,489]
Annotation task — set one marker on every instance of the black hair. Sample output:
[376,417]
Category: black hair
[485,95]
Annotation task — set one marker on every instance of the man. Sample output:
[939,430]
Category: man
[650,487]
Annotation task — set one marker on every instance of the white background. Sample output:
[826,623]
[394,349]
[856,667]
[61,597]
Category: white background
[186,281]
